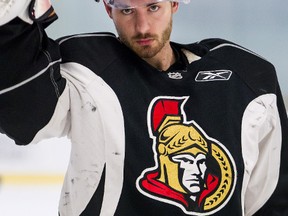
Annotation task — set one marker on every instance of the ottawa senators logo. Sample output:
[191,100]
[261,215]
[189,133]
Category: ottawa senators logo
[192,170]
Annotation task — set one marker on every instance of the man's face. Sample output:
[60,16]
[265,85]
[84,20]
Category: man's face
[146,28]
[194,169]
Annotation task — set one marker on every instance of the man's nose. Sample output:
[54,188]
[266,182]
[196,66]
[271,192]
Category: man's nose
[142,24]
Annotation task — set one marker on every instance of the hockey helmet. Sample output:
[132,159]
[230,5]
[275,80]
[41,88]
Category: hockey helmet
[128,4]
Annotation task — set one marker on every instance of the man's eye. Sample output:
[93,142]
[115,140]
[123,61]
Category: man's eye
[154,8]
[127,11]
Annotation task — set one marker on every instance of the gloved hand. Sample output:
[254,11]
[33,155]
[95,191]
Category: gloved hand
[9,9]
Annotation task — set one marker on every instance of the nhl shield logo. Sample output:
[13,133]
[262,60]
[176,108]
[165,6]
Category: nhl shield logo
[192,170]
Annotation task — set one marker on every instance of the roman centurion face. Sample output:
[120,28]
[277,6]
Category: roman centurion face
[194,168]
[143,25]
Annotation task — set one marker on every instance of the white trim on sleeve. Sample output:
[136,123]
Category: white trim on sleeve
[261,149]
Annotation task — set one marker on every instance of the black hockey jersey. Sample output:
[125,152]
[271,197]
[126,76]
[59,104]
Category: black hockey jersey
[203,138]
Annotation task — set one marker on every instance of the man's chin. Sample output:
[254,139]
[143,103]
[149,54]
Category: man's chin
[145,52]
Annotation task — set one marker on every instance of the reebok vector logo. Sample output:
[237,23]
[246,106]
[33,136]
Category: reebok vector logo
[213,75]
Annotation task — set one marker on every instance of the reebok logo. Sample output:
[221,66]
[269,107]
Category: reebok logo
[214,75]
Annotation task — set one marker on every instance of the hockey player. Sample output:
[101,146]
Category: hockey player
[157,127]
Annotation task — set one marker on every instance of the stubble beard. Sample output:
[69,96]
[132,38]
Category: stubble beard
[147,51]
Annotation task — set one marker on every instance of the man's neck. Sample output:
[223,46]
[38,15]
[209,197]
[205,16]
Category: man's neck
[163,59]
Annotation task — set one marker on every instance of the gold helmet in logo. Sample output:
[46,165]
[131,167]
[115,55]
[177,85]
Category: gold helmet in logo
[176,138]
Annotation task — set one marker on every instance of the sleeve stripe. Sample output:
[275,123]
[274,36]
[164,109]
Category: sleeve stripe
[29,79]
[238,47]
[87,35]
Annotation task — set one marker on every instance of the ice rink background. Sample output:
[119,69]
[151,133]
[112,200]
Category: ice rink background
[31,176]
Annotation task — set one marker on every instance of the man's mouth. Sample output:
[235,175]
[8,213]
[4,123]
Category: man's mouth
[144,41]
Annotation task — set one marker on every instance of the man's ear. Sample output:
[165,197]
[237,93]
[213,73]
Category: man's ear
[175,6]
[108,9]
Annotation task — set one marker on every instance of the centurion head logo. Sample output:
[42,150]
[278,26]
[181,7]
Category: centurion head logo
[192,170]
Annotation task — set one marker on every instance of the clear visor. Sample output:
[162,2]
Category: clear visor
[125,4]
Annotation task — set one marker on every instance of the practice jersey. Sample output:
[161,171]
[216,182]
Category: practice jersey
[206,137]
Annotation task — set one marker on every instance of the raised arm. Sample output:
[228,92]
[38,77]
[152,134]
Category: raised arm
[30,83]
